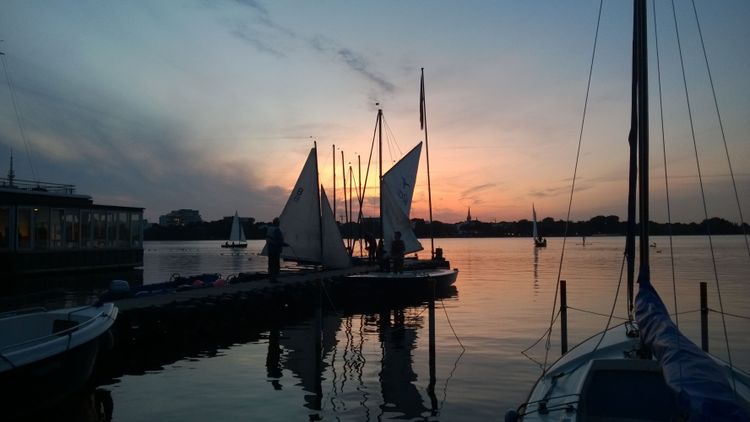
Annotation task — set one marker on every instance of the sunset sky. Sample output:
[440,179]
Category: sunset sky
[213,105]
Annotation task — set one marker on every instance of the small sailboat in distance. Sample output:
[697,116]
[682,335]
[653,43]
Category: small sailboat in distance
[539,241]
[236,235]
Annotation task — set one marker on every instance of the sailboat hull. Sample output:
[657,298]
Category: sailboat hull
[407,279]
[607,378]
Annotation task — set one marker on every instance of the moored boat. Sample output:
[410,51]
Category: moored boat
[46,356]
[645,368]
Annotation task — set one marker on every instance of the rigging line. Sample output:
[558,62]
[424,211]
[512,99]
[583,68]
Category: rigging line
[543,335]
[614,304]
[450,376]
[721,127]
[333,306]
[729,314]
[703,196]
[573,184]
[596,313]
[664,156]
[451,325]
[21,129]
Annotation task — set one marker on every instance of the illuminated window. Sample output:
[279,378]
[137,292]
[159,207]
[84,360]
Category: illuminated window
[24,228]
[41,228]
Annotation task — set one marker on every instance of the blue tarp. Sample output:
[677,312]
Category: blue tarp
[701,386]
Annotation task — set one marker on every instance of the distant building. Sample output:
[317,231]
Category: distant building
[180,218]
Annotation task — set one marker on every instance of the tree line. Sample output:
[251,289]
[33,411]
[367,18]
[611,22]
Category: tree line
[548,227]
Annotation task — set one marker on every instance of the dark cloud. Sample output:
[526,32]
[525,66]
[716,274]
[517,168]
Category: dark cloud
[351,59]
[122,155]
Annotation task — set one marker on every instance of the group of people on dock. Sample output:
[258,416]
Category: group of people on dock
[376,253]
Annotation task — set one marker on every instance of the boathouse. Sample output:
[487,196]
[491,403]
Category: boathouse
[48,228]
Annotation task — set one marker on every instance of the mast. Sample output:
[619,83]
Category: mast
[333,148]
[317,186]
[423,124]
[632,172]
[343,178]
[643,131]
[380,169]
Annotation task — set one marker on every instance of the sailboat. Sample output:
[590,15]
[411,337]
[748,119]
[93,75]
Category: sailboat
[396,193]
[539,241]
[307,222]
[236,235]
[645,368]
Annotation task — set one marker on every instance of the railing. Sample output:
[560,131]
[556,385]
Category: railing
[36,186]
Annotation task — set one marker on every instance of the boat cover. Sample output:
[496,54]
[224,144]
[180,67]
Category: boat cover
[701,386]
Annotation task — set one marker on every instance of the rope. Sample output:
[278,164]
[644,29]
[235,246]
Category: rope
[573,186]
[666,175]
[700,182]
[729,314]
[333,306]
[24,138]
[721,127]
[597,313]
[451,325]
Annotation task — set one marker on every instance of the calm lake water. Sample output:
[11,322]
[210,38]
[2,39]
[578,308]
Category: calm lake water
[376,366]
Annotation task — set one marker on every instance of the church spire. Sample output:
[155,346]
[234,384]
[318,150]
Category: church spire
[468,216]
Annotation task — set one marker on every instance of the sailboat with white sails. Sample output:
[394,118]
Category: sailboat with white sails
[236,234]
[645,368]
[396,193]
[308,224]
[539,241]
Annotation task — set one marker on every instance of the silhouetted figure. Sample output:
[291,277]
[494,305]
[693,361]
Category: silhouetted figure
[381,257]
[371,245]
[274,245]
[397,252]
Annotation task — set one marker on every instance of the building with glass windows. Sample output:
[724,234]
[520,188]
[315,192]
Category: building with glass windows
[48,228]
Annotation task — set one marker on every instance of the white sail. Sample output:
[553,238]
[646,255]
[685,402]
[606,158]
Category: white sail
[300,219]
[396,191]
[334,253]
[533,213]
[237,234]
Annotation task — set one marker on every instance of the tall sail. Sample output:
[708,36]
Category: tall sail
[237,234]
[300,221]
[396,191]
[334,253]
[533,213]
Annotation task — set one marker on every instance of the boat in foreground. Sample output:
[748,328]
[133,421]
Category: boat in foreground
[644,369]
[48,355]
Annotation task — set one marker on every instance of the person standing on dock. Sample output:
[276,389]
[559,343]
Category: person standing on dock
[274,245]
[397,251]
[371,246]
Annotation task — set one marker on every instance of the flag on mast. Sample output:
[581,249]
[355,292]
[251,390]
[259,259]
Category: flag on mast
[421,101]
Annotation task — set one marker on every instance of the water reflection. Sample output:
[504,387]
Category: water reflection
[536,271]
[90,405]
[361,365]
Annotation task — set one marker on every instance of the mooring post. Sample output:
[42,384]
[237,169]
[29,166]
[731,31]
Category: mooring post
[704,317]
[563,317]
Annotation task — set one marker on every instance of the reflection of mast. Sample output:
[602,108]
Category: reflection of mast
[273,364]
[431,386]
[397,375]
[536,266]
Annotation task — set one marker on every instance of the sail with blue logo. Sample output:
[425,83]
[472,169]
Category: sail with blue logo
[397,191]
